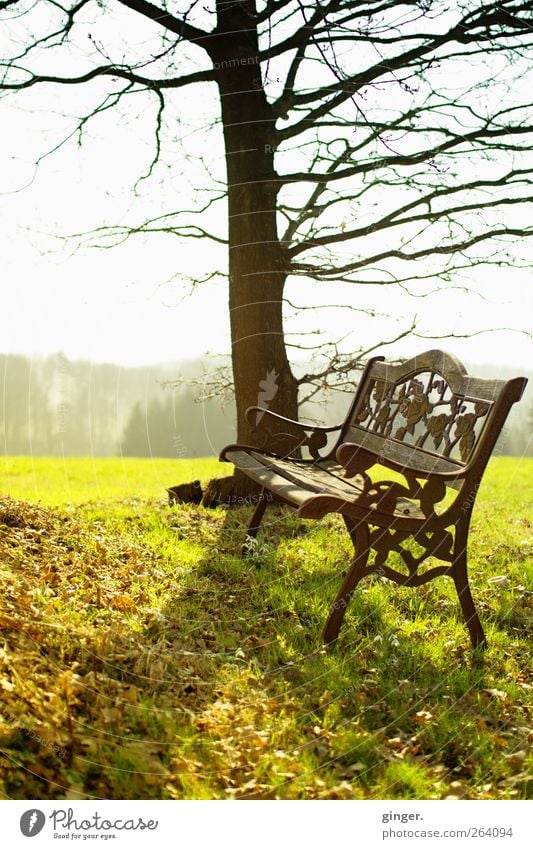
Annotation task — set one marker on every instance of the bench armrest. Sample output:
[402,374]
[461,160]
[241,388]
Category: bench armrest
[283,420]
[281,435]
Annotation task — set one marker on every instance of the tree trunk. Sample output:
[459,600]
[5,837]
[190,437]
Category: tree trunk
[257,271]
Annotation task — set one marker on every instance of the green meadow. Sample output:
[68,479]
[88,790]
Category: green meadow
[56,481]
[142,657]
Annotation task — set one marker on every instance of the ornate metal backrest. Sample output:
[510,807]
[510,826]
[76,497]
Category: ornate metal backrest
[427,409]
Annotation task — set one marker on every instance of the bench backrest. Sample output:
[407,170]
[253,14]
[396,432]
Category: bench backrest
[429,413]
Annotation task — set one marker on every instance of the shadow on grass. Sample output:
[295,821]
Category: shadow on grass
[177,669]
[262,615]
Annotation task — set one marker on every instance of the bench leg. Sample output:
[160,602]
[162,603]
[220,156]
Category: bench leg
[255,522]
[358,570]
[460,577]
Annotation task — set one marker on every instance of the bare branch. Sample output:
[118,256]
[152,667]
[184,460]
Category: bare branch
[170,22]
[157,140]
[398,218]
[433,250]
[112,236]
[479,136]
[112,71]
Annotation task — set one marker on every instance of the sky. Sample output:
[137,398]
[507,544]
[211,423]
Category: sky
[123,305]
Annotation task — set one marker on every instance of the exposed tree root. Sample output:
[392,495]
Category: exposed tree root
[235,490]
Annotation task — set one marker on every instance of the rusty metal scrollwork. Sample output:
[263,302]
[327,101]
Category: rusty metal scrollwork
[422,411]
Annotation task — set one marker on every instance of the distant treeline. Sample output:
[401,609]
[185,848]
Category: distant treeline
[52,406]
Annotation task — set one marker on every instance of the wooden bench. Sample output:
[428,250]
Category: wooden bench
[427,421]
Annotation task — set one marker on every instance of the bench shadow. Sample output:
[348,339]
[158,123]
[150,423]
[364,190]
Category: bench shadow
[261,617]
[269,607]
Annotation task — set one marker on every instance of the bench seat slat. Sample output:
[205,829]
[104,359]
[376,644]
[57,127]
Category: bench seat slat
[299,483]
[324,476]
[257,469]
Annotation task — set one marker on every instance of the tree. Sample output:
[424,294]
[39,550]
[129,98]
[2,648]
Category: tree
[150,430]
[375,143]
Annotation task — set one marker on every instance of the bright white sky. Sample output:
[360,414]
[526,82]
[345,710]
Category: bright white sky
[114,305]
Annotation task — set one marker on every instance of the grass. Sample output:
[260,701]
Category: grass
[56,481]
[141,657]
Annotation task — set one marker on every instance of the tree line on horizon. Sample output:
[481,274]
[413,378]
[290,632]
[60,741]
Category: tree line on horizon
[53,406]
